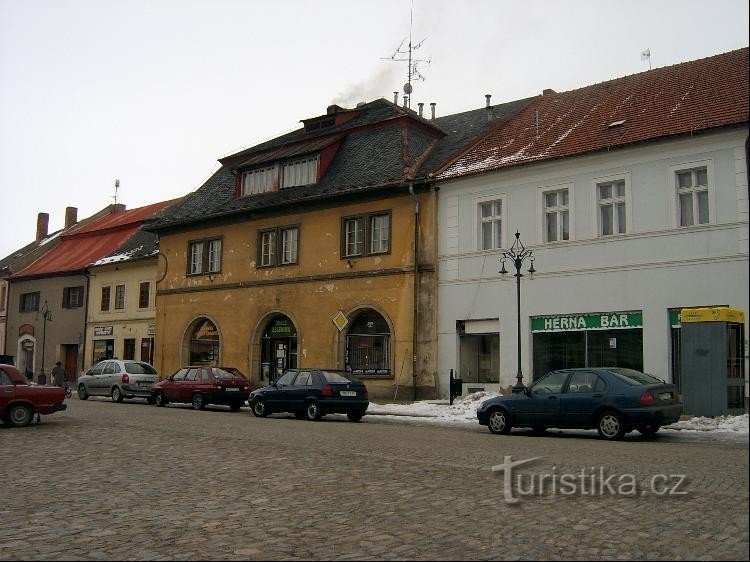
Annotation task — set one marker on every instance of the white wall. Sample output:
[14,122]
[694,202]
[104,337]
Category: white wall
[655,266]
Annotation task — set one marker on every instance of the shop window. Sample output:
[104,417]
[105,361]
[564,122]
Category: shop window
[147,350]
[368,345]
[204,344]
[103,349]
[128,351]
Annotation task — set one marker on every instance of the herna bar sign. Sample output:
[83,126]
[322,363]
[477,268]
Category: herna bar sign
[590,321]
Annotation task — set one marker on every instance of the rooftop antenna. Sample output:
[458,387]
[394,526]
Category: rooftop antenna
[412,70]
[117,187]
[646,55]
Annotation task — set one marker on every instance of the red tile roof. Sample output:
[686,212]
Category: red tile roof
[674,100]
[83,247]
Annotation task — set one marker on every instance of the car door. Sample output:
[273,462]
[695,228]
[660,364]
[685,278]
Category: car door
[297,392]
[169,388]
[542,401]
[107,378]
[95,384]
[276,398]
[7,390]
[188,385]
[585,393]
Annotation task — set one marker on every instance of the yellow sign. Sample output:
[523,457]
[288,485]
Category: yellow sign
[340,320]
[713,314]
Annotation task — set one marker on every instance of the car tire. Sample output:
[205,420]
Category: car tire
[160,399]
[299,415]
[116,394]
[354,416]
[259,408]
[151,400]
[610,425]
[19,415]
[498,421]
[199,401]
[235,406]
[648,430]
[312,411]
[82,392]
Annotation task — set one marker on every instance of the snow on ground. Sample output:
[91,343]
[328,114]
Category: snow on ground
[463,411]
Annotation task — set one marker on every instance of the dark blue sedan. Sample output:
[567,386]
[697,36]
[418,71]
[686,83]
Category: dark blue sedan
[611,399]
[310,394]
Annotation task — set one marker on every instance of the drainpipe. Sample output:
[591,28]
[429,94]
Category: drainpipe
[85,324]
[416,288]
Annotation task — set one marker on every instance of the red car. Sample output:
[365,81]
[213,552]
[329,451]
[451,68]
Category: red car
[203,385]
[19,400]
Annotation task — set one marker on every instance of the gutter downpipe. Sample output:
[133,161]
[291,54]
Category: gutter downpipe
[415,322]
[85,325]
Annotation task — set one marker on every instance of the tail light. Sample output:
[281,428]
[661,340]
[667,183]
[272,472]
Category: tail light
[125,379]
[364,393]
[647,398]
[327,390]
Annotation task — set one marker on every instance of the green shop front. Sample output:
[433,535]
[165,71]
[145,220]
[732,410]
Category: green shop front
[598,339]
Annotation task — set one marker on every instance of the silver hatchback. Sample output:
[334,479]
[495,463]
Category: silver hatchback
[118,379]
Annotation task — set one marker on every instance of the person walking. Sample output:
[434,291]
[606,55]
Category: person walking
[58,374]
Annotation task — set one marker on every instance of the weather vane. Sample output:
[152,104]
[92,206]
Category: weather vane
[412,70]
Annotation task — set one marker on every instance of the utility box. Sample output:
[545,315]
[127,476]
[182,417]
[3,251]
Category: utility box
[713,362]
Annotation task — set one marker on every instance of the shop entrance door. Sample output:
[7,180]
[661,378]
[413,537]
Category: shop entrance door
[278,348]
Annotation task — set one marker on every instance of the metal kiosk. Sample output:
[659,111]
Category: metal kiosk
[713,362]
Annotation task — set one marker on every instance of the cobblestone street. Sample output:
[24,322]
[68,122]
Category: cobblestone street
[106,481]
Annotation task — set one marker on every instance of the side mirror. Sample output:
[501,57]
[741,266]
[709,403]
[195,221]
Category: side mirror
[170,378]
[527,390]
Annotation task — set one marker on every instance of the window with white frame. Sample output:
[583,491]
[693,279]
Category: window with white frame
[380,233]
[612,207]
[289,245]
[119,297]
[366,234]
[354,236]
[260,180]
[692,196]
[293,173]
[204,256]
[278,246]
[299,172]
[556,215]
[490,225]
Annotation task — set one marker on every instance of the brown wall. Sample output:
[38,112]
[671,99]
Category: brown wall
[242,298]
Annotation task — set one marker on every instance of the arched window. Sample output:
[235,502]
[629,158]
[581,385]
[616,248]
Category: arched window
[204,343]
[368,345]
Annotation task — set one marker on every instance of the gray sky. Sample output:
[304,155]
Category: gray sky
[152,92]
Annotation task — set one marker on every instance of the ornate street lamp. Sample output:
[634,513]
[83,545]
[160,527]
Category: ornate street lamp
[517,254]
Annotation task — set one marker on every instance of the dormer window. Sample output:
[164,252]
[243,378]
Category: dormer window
[293,173]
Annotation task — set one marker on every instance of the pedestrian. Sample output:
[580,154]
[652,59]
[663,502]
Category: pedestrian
[58,374]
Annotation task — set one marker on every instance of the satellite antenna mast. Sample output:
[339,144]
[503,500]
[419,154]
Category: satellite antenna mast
[117,187]
[412,71]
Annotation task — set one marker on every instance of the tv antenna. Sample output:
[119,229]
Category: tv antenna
[117,187]
[412,68]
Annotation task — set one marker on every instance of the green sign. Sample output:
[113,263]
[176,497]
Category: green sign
[282,327]
[596,321]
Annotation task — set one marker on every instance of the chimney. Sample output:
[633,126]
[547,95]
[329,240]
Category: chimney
[71,216]
[487,97]
[395,98]
[118,208]
[42,226]
[421,106]
[432,108]
[333,109]
[406,100]
[489,107]
[548,91]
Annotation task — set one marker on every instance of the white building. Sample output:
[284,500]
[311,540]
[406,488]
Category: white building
[632,195]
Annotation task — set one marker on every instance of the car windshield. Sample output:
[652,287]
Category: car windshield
[139,369]
[334,377]
[634,378]
[229,373]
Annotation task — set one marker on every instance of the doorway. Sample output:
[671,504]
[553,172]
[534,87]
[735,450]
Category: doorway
[278,348]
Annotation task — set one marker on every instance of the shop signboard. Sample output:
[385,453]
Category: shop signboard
[588,321]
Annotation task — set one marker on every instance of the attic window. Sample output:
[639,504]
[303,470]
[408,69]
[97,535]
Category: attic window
[293,173]
[320,124]
[616,123]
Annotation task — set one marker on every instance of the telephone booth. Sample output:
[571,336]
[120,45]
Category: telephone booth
[713,361]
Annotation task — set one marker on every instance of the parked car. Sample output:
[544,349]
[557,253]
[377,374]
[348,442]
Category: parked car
[613,400]
[119,379]
[201,385]
[20,399]
[311,394]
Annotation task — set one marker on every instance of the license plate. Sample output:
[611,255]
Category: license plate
[146,384]
[665,396]
[348,393]
[232,389]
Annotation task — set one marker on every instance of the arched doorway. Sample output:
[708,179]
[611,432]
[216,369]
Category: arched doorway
[204,343]
[368,345]
[278,347]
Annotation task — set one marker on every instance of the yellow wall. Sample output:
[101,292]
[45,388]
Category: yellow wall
[241,299]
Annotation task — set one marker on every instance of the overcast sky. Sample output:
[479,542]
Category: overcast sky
[152,92]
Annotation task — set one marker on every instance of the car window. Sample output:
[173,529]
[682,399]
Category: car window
[287,378]
[193,374]
[600,385]
[5,379]
[96,369]
[634,378]
[138,368]
[205,374]
[180,375]
[224,374]
[551,383]
[582,382]
[303,379]
[109,368]
[333,377]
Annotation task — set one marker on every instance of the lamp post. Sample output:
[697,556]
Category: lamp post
[517,254]
[47,317]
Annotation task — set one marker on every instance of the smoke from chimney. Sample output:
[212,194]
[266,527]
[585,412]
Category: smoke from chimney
[368,89]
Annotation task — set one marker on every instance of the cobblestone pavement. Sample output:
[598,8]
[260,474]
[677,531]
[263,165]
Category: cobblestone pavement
[106,481]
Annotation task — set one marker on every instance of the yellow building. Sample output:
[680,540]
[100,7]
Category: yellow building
[300,252]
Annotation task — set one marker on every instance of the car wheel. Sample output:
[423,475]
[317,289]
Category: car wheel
[82,394]
[259,408]
[199,401]
[234,406]
[499,422]
[151,400]
[312,411]
[299,415]
[160,399]
[354,416]
[610,425]
[20,415]
[648,430]
[116,394]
